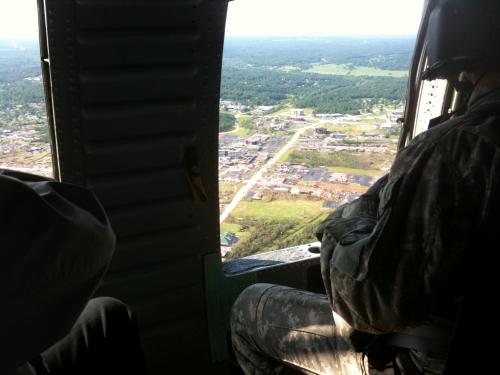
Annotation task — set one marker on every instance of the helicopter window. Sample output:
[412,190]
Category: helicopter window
[307,121]
[430,104]
[24,141]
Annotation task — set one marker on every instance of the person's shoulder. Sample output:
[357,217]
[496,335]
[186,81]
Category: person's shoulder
[432,145]
[470,133]
[427,142]
[465,129]
[471,144]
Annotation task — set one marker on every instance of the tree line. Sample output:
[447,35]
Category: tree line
[384,53]
[267,234]
[227,122]
[323,93]
[20,93]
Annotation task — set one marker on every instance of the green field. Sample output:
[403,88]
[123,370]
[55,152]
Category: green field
[361,172]
[264,226]
[288,68]
[278,210]
[357,71]
[285,156]
[242,132]
[355,130]
[230,227]
[345,159]
[285,110]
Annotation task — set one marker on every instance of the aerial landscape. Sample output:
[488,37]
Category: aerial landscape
[23,121]
[306,124]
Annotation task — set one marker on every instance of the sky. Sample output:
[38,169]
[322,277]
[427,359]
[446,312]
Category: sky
[323,17]
[18,19]
[271,17]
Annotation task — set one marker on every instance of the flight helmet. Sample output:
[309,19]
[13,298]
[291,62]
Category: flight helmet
[463,36]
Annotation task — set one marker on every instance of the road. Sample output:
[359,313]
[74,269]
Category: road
[242,193]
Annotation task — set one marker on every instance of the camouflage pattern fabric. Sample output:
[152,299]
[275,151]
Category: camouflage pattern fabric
[392,260]
[275,326]
[395,258]
[427,363]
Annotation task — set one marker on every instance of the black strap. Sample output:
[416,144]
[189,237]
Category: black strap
[423,338]
[405,363]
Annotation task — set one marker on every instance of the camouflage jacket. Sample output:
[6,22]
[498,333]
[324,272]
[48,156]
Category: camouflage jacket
[395,257]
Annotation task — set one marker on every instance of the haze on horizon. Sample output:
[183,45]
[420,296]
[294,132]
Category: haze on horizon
[323,17]
[18,18]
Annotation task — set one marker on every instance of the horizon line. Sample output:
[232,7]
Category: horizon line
[309,36]
[324,36]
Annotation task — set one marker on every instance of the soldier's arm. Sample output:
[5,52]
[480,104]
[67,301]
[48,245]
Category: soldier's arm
[386,278]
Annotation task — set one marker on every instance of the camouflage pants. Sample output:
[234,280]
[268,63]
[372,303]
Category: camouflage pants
[274,326]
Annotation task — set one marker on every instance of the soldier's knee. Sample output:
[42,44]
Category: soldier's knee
[109,305]
[244,310]
[106,312]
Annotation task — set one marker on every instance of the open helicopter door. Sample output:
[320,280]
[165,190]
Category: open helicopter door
[132,89]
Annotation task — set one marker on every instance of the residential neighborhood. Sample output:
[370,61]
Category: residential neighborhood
[243,157]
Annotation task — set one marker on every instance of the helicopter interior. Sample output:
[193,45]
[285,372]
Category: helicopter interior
[132,90]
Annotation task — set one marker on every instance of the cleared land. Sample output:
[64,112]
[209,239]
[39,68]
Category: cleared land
[357,71]
[358,160]
[357,129]
[264,226]
[276,210]
[361,172]
[227,190]
[22,157]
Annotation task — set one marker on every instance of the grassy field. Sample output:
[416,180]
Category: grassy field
[241,132]
[357,129]
[229,227]
[346,70]
[265,226]
[361,172]
[25,158]
[279,209]
[276,212]
[283,111]
[227,190]
[285,156]
[224,185]
[344,159]
[288,68]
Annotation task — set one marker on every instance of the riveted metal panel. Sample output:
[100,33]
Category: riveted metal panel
[135,90]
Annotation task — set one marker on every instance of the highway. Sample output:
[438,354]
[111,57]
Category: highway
[242,193]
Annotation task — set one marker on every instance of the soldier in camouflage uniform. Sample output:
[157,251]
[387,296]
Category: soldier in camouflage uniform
[394,258]
[275,326]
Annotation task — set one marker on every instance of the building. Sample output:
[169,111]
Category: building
[394,116]
[322,131]
[228,239]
